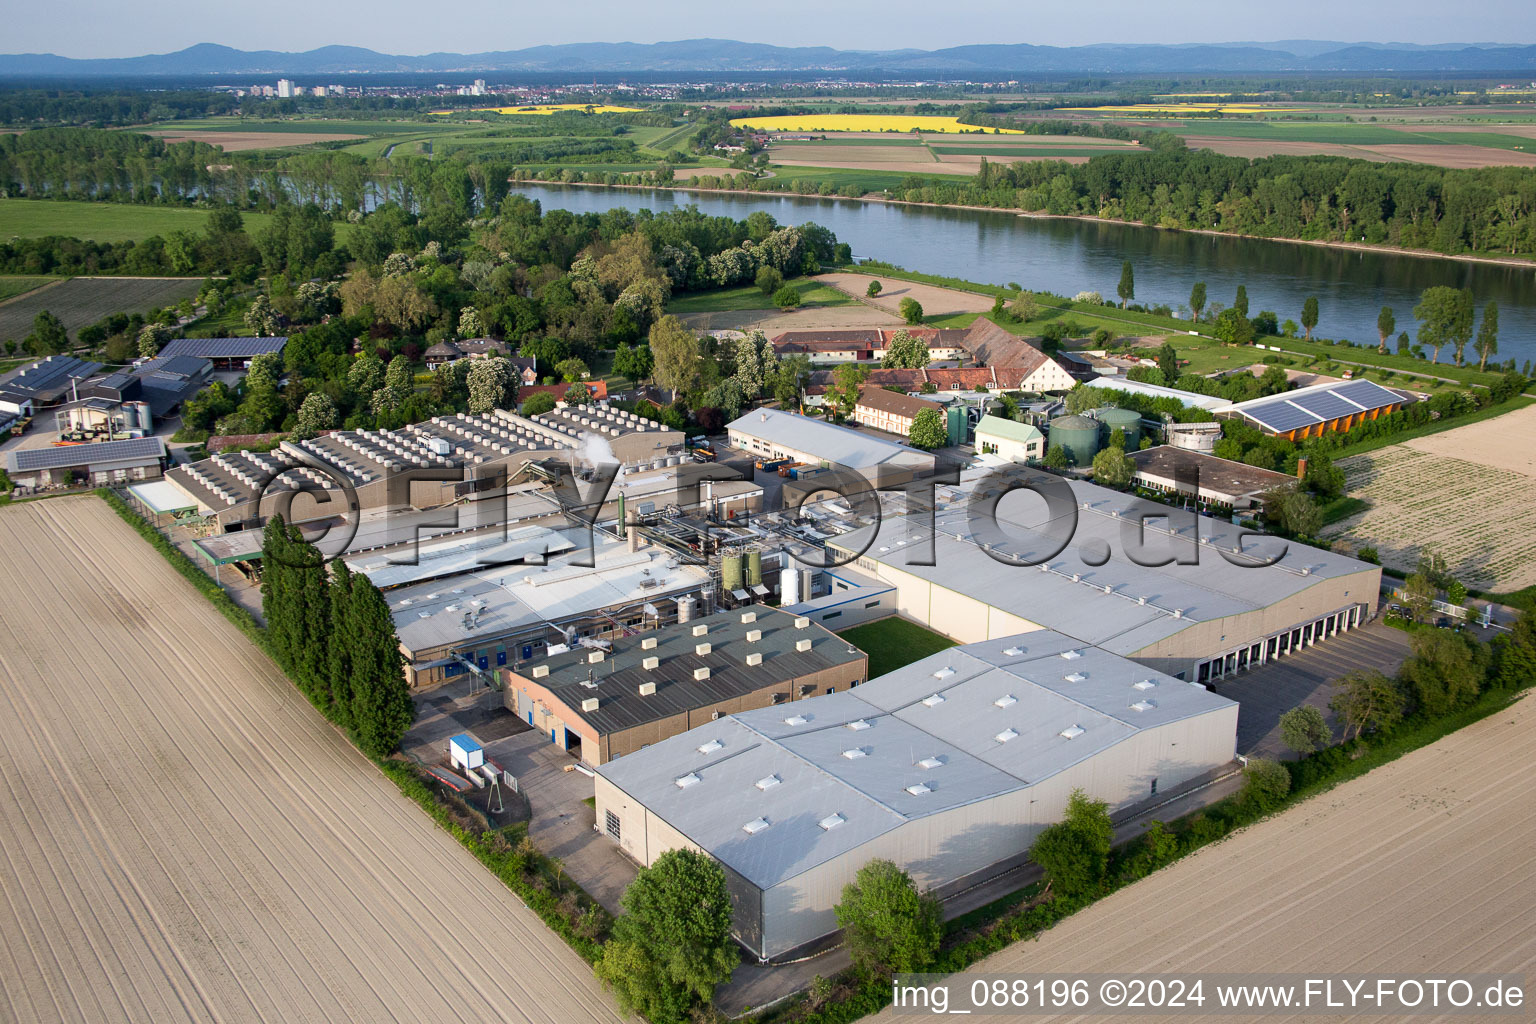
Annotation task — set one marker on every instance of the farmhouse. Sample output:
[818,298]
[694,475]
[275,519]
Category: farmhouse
[1010,439]
[865,344]
[949,767]
[890,411]
[772,434]
[604,702]
[1199,601]
[1319,409]
[1207,479]
[223,353]
[100,465]
[445,352]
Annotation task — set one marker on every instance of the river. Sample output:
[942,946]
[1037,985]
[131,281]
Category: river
[1068,256]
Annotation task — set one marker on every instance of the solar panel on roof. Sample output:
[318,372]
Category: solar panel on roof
[1327,405]
[1366,392]
[80,454]
[222,348]
[1281,416]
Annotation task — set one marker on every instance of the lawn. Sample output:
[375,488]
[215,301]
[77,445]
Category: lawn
[892,643]
[18,284]
[749,296]
[112,222]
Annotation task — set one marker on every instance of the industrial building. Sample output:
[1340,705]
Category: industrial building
[949,767]
[604,699]
[1235,486]
[101,465]
[44,383]
[129,402]
[223,353]
[1319,409]
[895,413]
[1005,562]
[1009,439]
[772,434]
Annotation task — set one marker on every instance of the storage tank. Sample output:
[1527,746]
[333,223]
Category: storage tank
[754,568]
[1079,435]
[685,608]
[731,572]
[789,582]
[1127,420]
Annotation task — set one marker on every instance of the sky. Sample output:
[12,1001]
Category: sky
[112,28]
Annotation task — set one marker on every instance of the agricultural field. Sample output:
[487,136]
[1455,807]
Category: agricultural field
[236,142]
[1468,493]
[108,222]
[866,123]
[1323,887]
[936,301]
[551,108]
[907,154]
[186,839]
[84,300]
[813,292]
[12,285]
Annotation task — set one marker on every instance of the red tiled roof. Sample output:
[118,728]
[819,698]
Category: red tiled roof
[876,397]
[598,388]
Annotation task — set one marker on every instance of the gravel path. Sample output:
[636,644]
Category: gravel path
[185,839]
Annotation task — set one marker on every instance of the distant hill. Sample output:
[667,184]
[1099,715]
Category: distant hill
[725,55]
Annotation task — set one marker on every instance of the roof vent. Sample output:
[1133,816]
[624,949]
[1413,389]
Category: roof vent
[1143,705]
[854,753]
[1178,613]
[802,646]
[1007,700]
[1145,684]
[701,629]
[1013,652]
[540,671]
[754,660]
[795,720]
[768,782]
[649,643]
[933,700]
[590,704]
[702,649]
[1074,677]
[755,826]
[1069,655]
[1072,732]
[857,724]
[748,617]
[710,747]
[700,674]
[649,664]
[593,657]
[691,779]
[944,673]
[831,822]
[918,789]
[754,635]
[1006,735]
[930,763]
[646,689]
[801,622]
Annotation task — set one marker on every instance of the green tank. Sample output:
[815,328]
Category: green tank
[1079,435]
[1127,420]
[730,572]
[754,568]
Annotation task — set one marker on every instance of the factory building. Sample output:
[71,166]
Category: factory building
[44,383]
[1003,562]
[949,767]
[772,434]
[104,464]
[895,413]
[1209,480]
[606,699]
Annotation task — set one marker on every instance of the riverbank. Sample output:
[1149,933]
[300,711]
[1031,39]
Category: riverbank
[1392,250]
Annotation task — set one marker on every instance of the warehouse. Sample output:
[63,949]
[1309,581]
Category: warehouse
[46,382]
[1209,480]
[772,434]
[223,353]
[99,465]
[949,767]
[1319,409]
[600,702]
[1004,563]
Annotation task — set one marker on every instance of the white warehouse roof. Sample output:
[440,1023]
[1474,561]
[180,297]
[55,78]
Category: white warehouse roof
[851,448]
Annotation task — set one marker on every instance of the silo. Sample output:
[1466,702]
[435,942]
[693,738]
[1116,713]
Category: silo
[731,572]
[1127,420]
[754,568]
[685,608]
[1079,435]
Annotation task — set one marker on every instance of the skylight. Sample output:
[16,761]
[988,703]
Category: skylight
[1006,735]
[1072,732]
[1070,655]
[1145,684]
[768,782]
[795,720]
[755,826]
[831,822]
[858,724]
[854,753]
[1074,677]
[918,789]
[711,747]
[933,700]
[944,673]
[1013,652]
[1143,705]
[691,779]
[1007,700]
[930,763]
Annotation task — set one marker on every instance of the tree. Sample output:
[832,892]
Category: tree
[910,310]
[843,393]
[382,710]
[578,393]
[1023,307]
[1304,729]
[1445,318]
[633,362]
[316,413]
[151,337]
[48,335]
[1233,327]
[1367,701]
[1074,852]
[928,431]
[1168,361]
[1487,343]
[1113,468]
[787,297]
[1056,458]
[769,280]
[339,655]
[492,384]
[1265,782]
[470,325]
[1126,289]
[1386,323]
[1197,299]
[1309,315]
[571,370]
[539,401]
[889,926]
[1241,302]
[1419,592]
[672,946]
[1323,478]
[906,352]
[873,289]
[675,351]
[1444,672]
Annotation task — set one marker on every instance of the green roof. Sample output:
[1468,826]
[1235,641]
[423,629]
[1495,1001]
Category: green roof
[1012,430]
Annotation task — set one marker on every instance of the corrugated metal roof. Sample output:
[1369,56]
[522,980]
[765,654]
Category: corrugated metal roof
[850,448]
[141,448]
[222,348]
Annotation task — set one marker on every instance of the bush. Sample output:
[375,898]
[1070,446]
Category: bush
[786,297]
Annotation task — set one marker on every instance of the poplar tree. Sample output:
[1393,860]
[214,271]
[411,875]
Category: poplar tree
[339,650]
[381,705]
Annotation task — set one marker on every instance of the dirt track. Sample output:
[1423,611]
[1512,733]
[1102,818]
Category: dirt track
[186,840]
[1422,866]
[936,301]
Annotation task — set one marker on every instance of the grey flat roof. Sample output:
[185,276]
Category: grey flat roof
[1216,475]
[222,348]
[134,449]
[852,448]
[1144,604]
[616,679]
[790,766]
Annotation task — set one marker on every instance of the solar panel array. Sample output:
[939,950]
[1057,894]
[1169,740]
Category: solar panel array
[1311,406]
[81,454]
[222,348]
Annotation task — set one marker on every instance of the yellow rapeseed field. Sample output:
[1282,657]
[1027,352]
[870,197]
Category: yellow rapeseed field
[553,108]
[864,123]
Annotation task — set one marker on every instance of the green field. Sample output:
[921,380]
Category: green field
[1334,132]
[892,643]
[300,126]
[872,181]
[812,294]
[112,222]
[84,300]
[12,285]
[1036,152]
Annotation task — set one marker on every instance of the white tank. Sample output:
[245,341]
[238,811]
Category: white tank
[685,609]
[789,582]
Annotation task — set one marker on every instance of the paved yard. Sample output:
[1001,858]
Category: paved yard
[1267,692]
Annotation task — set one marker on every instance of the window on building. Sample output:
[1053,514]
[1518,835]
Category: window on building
[830,615]
[611,825]
[872,604]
